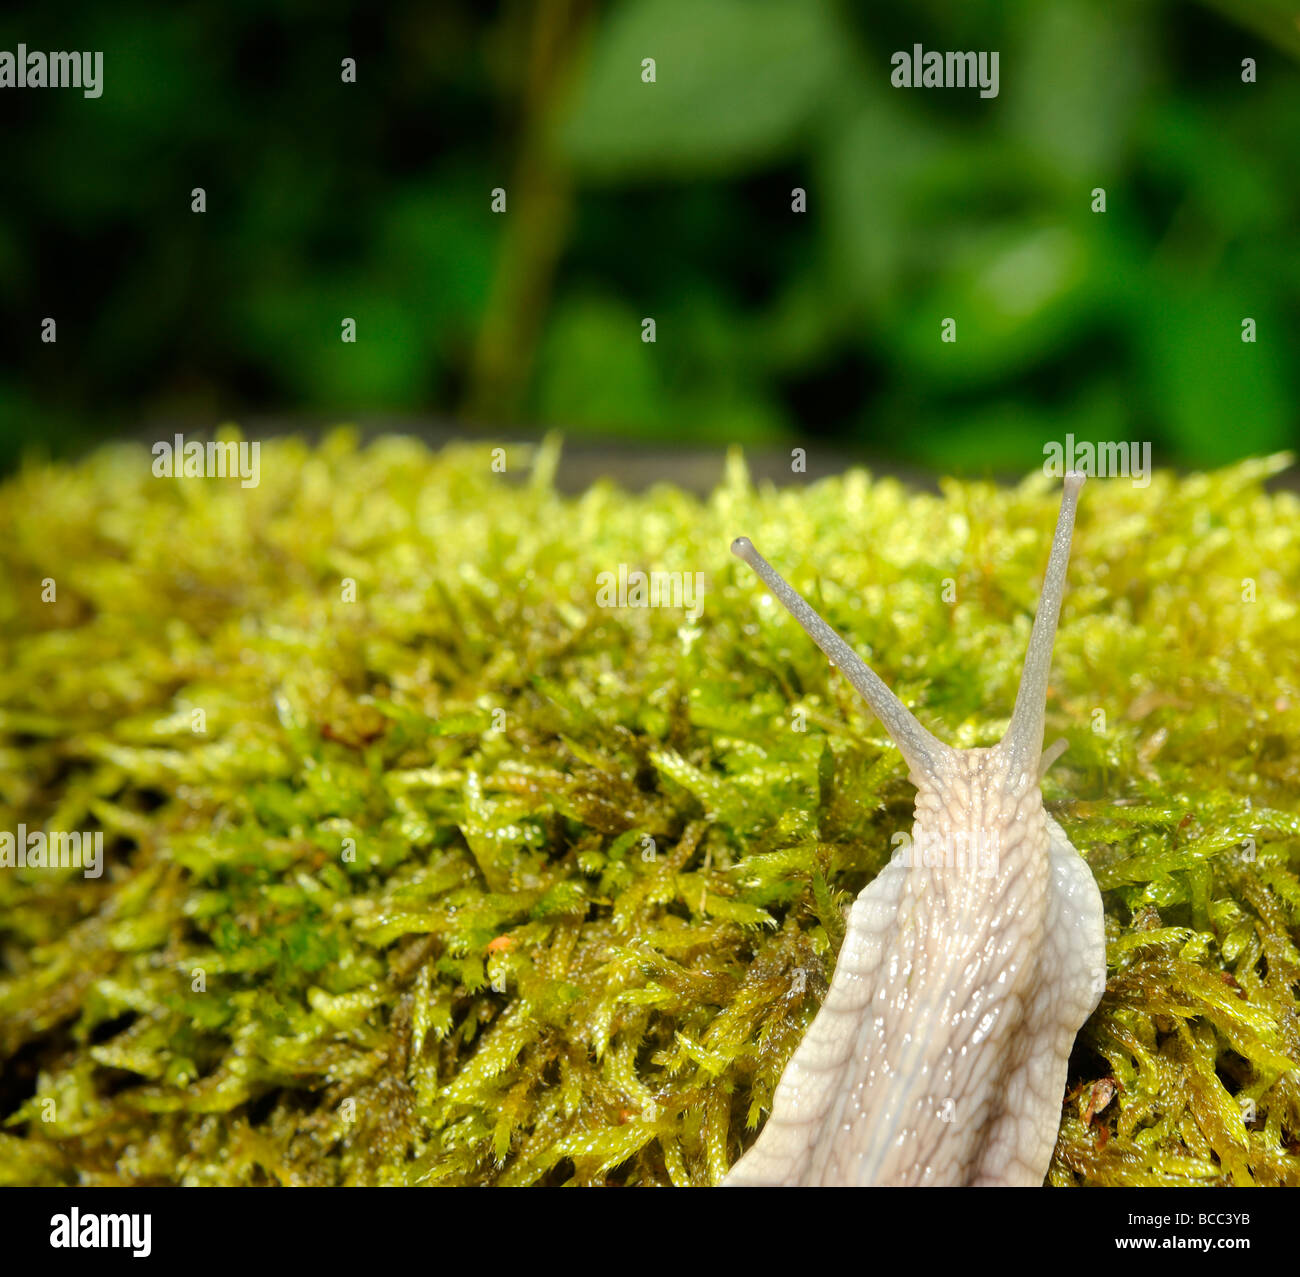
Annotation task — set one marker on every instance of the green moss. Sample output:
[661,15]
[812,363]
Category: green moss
[579,942]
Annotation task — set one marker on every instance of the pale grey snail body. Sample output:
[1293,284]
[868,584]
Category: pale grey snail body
[969,964]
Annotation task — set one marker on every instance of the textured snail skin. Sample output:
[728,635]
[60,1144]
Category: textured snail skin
[939,1056]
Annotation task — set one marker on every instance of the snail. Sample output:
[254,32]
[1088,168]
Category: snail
[940,1054]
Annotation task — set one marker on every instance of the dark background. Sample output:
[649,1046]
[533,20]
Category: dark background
[625,200]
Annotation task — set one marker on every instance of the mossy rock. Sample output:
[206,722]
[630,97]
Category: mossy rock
[471,880]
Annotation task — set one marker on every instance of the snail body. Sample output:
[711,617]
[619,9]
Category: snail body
[969,964]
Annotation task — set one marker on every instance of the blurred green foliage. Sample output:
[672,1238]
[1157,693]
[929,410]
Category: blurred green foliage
[670,200]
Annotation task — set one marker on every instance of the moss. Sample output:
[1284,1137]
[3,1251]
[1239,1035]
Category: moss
[365,929]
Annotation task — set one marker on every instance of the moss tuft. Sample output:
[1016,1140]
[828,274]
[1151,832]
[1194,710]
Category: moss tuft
[364,928]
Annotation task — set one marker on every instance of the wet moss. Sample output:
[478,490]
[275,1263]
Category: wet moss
[471,880]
